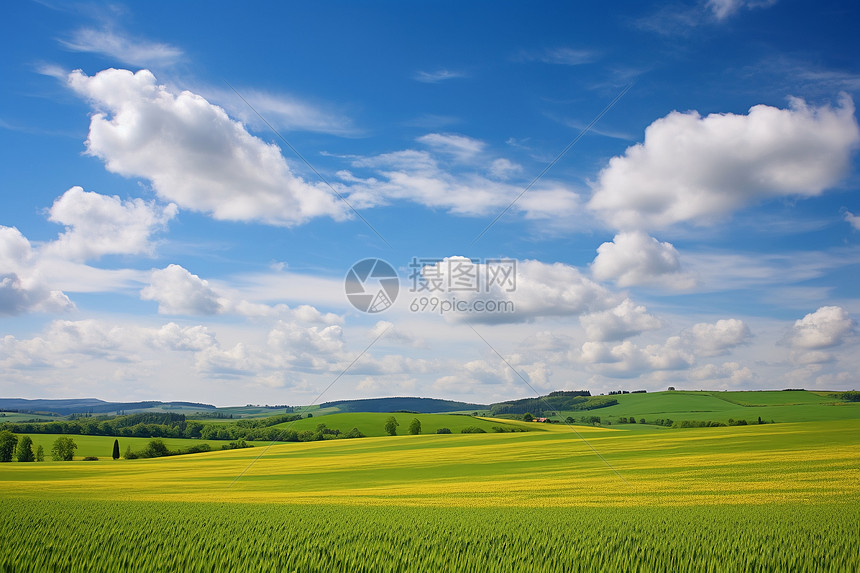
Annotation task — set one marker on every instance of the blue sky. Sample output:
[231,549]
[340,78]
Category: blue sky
[184,189]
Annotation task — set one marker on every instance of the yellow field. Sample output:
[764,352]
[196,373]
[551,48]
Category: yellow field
[778,463]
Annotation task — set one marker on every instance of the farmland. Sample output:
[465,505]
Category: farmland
[742,498]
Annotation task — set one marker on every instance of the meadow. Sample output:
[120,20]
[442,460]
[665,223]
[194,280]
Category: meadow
[744,498]
[779,406]
[372,424]
[102,446]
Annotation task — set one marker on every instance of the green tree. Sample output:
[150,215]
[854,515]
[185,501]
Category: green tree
[63,449]
[155,449]
[415,427]
[391,426]
[25,449]
[116,449]
[40,453]
[569,420]
[527,417]
[8,441]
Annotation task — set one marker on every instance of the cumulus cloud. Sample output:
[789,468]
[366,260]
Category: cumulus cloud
[634,258]
[394,334]
[625,320]
[629,360]
[177,291]
[812,335]
[22,286]
[730,372]
[853,219]
[522,290]
[694,168]
[193,153]
[718,338]
[98,225]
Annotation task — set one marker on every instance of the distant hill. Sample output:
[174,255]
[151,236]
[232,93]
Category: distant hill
[420,405]
[91,406]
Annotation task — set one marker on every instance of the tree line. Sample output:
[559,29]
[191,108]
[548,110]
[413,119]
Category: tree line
[164,425]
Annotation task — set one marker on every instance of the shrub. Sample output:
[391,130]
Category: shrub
[91,459]
[443,431]
[353,433]
[473,430]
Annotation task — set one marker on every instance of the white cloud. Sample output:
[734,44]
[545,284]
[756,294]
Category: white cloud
[459,147]
[731,372]
[437,76]
[286,112]
[717,338]
[416,176]
[825,328]
[136,52]
[853,219]
[722,9]
[562,55]
[394,334]
[177,291]
[503,168]
[19,296]
[98,225]
[539,290]
[625,320]
[193,153]
[23,288]
[182,338]
[634,258]
[693,168]
[629,360]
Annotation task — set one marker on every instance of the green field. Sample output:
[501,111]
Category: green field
[18,417]
[102,446]
[779,406]
[743,498]
[373,424]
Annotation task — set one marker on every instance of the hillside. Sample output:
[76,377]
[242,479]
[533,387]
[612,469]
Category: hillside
[372,424]
[93,406]
[411,404]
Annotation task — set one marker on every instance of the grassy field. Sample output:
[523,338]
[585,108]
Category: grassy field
[102,446]
[779,406]
[750,498]
[18,417]
[373,424]
[200,537]
[734,465]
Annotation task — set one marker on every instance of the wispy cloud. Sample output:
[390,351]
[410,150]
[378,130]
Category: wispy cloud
[437,76]
[562,56]
[681,20]
[285,111]
[125,49]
